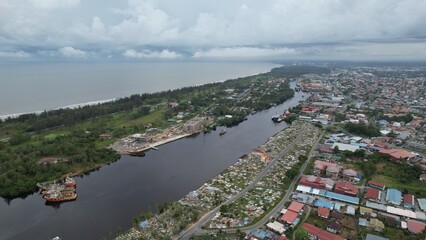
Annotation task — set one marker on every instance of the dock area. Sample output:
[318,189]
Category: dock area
[138,143]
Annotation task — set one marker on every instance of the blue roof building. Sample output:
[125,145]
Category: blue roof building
[358,177]
[422,203]
[144,224]
[393,196]
[324,204]
[342,198]
[261,234]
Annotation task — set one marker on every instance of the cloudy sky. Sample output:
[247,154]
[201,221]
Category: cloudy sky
[219,29]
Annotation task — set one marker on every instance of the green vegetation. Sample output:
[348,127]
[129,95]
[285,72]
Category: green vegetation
[397,175]
[339,117]
[73,134]
[404,118]
[363,129]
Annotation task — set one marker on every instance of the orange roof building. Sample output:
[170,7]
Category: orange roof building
[296,206]
[397,154]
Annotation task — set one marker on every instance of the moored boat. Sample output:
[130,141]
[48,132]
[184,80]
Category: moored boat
[275,118]
[70,182]
[60,197]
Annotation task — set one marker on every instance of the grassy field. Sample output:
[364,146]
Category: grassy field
[417,188]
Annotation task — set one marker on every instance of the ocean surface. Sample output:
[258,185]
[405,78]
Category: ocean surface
[32,87]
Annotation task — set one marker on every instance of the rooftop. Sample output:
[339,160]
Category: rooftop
[415,226]
[289,217]
[319,233]
[295,206]
[372,193]
[393,196]
[323,211]
[397,153]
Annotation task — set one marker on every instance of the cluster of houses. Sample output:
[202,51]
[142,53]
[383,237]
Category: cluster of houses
[335,192]
[288,218]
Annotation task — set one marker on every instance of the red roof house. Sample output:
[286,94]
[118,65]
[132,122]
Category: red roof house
[415,226]
[345,188]
[296,207]
[317,182]
[408,201]
[372,194]
[289,217]
[319,233]
[377,185]
[323,212]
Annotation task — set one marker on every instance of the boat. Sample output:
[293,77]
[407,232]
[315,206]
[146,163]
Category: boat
[137,153]
[275,118]
[70,182]
[222,132]
[60,197]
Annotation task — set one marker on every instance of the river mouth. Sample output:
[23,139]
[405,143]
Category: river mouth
[110,197]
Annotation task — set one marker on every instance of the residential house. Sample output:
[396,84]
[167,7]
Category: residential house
[408,201]
[336,216]
[377,185]
[317,182]
[393,196]
[415,226]
[378,225]
[321,166]
[345,188]
[333,227]
[365,211]
[293,213]
[373,194]
[349,174]
[323,212]
[320,234]
[333,172]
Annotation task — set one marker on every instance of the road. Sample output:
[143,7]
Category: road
[195,229]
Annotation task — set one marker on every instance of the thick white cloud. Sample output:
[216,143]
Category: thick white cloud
[72,52]
[220,26]
[166,54]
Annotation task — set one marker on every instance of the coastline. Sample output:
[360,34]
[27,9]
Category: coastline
[72,106]
[141,170]
[125,89]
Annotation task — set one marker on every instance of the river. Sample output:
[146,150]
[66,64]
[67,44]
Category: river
[110,197]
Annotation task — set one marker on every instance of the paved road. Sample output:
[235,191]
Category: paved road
[196,228]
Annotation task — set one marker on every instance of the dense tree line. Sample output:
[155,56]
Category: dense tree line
[20,170]
[67,117]
[404,118]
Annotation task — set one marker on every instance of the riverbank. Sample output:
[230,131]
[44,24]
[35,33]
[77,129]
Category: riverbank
[227,186]
[138,184]
[81,135]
